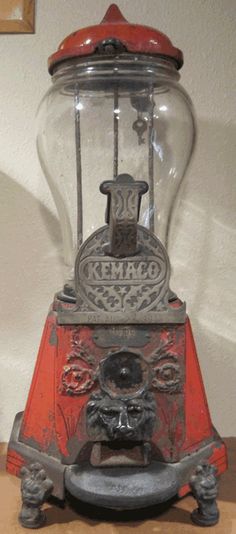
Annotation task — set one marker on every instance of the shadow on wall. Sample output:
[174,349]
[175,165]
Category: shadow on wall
[30,273]
[203,253]
[30,245]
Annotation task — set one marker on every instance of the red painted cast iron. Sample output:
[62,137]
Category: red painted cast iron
[160,428]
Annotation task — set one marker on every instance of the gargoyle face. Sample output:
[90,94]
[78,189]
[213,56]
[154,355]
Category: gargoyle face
[119,419]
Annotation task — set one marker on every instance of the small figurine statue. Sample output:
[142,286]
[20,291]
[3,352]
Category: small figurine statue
[204,487]
[35,490]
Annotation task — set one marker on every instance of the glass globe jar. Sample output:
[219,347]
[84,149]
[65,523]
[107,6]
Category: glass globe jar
[108,113]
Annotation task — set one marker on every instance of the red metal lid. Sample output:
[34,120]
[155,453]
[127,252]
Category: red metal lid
[114,27]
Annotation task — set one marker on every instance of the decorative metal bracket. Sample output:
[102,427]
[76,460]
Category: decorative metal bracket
[123,206]
[122,271]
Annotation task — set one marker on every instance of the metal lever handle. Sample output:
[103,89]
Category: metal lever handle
[123,206]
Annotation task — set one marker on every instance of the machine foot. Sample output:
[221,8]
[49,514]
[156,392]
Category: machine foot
[204,487]
[36,487]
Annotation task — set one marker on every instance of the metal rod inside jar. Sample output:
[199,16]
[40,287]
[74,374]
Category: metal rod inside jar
[116,131]
[78,169]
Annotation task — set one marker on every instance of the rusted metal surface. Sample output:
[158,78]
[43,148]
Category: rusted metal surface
[15,460]
[60,414]
[55,417]
[62,410]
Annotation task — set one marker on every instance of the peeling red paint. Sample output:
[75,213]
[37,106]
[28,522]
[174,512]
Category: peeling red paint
[55,420]
[14,462]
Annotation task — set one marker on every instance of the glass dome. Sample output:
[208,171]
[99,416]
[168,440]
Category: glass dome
[104,116]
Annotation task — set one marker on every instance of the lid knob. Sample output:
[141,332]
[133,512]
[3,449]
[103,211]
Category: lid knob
[113,15]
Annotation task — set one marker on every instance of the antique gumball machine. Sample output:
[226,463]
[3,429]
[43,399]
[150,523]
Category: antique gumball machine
[116,414]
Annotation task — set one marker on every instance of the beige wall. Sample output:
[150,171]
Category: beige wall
[204,249]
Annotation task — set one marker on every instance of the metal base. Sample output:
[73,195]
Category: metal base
[123,488]
[202,520]
[27,455]
[30,522]
[204,486]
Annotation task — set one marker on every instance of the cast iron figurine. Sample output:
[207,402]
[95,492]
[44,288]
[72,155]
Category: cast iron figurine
[35,490]
[204,486]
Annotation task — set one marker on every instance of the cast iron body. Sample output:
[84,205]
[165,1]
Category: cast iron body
[117,412]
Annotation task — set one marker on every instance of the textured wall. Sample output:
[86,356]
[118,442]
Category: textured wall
[203,249]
